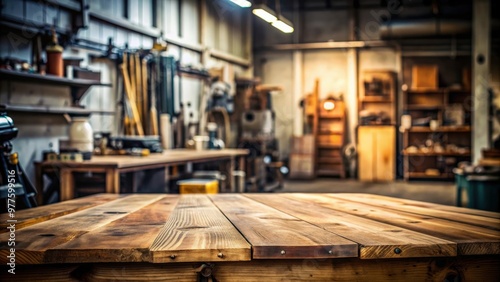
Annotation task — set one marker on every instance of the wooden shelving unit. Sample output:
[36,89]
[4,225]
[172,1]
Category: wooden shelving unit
[329,134]
[377,137]
[432,104]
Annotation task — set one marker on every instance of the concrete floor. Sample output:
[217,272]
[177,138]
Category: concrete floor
[435,192]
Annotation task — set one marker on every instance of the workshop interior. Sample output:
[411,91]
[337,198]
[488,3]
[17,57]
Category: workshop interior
[399,98]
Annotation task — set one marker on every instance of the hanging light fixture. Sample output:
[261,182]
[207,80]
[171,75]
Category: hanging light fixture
[283,24]
[264,12]
[242,3]
[274,18]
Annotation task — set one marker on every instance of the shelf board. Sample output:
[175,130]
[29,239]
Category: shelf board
[426,129]
[426,91]
[49,79]
[375,99]
[427,176]
[424,107]
[51,110]
[330,117]
[330,160]
[330,133]
[78,86]
[327,172]
[432,154]
[328,146]
[438,91]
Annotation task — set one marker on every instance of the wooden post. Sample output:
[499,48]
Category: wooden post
[67,184]
[112,181]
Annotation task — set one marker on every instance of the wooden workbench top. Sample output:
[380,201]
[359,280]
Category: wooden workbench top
[167,157]
[159,228]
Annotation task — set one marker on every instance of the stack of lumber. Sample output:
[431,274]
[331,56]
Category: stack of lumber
[141,117]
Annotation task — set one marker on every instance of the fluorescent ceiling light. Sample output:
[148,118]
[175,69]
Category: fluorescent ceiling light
[265,13]
[282,25]
[242,3]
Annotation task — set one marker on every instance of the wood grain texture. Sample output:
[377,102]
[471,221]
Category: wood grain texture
[376,240]
[126,239]
[366,152]
[481,268]
[403,205]
[33,241]
[32,216]
[471,240]
[198,231]
[426,205]
[348,270]
[274,234]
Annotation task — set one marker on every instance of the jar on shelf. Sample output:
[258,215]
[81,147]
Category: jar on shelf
[81,136]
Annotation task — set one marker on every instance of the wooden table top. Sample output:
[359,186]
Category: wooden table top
[159,228]
[167,157]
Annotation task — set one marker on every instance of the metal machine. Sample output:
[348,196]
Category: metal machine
[13,180]
[257,134]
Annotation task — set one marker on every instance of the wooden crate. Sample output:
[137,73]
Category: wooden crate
[303,145]
[301,166]
[425,77]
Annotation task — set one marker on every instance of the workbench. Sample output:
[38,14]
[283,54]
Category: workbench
[112,166]
[251,237]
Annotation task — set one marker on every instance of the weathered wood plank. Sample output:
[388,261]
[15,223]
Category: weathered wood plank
[198,231]
[30,273]
[126,239]
[471,268]
[412,207]
[376,239]
[452,209]
[33,241]
[471,240]
[43,213]
[274,234]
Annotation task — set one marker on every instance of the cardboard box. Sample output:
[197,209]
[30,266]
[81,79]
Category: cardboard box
[425,77]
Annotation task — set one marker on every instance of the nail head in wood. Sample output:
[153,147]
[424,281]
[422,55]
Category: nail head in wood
[283,252]
[397,250]
[172,256]
[221,255]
